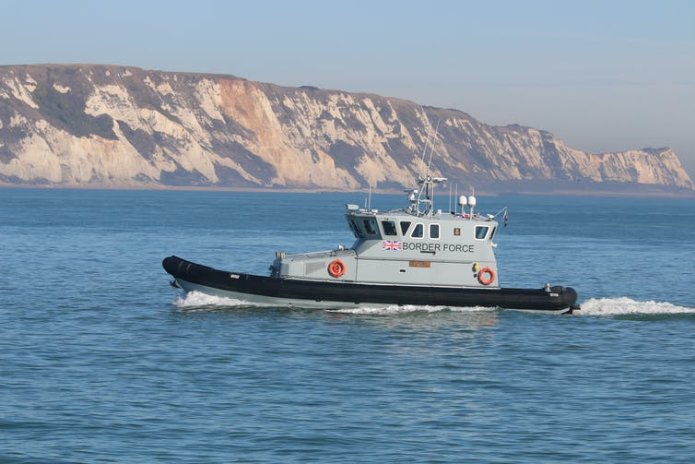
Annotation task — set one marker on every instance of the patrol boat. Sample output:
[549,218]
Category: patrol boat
[412,256]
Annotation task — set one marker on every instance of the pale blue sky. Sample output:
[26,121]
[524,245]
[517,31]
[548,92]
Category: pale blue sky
[601,75]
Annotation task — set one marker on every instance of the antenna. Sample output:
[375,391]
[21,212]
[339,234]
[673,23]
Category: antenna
[427,184]
[456,195]
[424,150]
[427,142]
[449,197]
[436,132]
[369,204]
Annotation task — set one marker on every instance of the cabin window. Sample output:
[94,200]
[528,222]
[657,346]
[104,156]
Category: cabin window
[404,226]
[389,227]
[418,231]
[492,234]
[434,231]
[370,226]
[481,232]
[353,227]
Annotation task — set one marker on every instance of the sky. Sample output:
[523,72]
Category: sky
[600,75]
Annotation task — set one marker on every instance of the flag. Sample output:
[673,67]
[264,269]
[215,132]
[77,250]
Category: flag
[392,245]
[506,217]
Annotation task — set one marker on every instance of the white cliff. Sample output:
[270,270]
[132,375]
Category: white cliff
[123,126]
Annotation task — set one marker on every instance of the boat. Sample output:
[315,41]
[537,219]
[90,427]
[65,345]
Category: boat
[417,255]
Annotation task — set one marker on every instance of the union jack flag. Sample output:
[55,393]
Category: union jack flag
[392,245]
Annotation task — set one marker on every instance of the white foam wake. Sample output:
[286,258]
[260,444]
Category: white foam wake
[405,309]
[199,300]
[591,307]
[624,305]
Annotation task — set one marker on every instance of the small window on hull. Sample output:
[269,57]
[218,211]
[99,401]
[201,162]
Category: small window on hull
[389,227]
[481,232]
[404,227]
[418,231]
[434,231]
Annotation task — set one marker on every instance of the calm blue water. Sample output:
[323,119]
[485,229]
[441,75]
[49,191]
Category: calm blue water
[102,361]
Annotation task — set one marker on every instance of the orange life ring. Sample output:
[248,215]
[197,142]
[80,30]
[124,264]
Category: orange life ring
[490,276]
[336,268]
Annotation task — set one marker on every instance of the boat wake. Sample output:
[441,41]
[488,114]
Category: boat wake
[406,309]
[192,301]
[202,301]
[628,306]
[592,307]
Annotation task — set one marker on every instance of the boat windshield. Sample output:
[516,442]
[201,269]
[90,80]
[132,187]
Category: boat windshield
[364,227]
[371,228]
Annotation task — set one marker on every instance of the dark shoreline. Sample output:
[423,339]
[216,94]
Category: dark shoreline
[496,189]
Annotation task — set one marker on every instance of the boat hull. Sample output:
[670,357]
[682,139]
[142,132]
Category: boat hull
[340,294]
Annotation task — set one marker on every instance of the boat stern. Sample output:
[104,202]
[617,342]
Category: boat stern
[567,298]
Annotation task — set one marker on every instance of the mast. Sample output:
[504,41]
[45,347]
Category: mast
[426,184]
[424,206]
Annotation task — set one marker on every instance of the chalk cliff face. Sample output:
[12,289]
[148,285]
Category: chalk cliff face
[92,125]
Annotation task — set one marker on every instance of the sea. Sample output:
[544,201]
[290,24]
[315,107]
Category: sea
[102,361]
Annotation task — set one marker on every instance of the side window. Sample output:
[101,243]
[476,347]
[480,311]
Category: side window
[404,227]
[370,226]
[434,231]
[481,232]
[354,228]
[492,234]
[418,231]
[389,227]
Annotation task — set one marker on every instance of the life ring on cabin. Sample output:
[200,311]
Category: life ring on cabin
[486,276]
[336,268]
